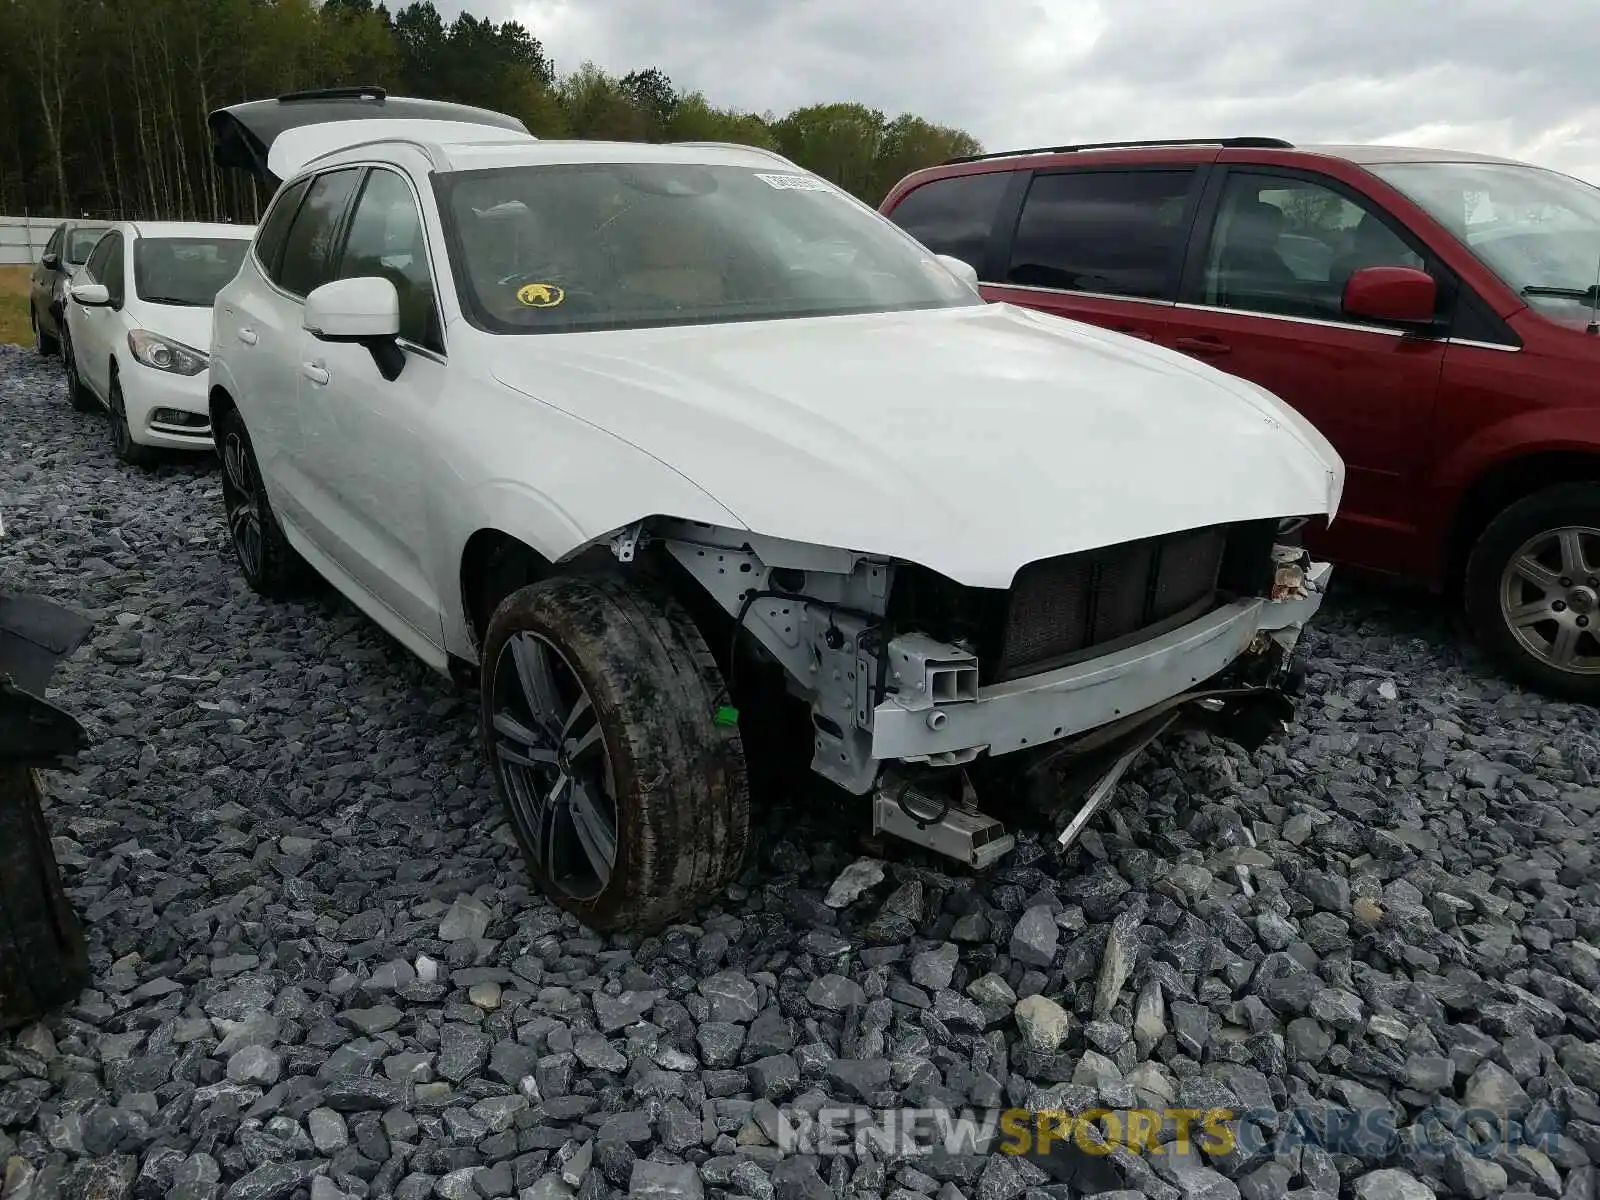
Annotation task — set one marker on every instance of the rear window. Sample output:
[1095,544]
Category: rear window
[954,215]
[187,271]
[275,228]
[1117,233]
[308,252]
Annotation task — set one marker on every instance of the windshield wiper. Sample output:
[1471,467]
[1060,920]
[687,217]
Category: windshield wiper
[173,300]
[1588,294]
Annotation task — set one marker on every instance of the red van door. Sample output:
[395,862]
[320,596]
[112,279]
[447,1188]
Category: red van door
[1262,298]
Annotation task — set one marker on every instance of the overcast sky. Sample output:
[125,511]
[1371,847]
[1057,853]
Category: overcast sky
[1502,77]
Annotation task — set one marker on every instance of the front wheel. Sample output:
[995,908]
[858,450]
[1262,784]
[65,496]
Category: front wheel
[607,729]
[1533,590]
[122,444]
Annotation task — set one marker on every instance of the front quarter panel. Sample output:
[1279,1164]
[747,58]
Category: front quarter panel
[556,483]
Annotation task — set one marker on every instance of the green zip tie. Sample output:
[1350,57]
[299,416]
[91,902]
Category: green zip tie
[726,715]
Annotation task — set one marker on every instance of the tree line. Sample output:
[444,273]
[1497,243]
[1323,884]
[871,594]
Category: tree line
[103,103]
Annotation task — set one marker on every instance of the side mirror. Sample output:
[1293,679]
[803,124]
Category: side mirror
[1400,294]
[91,295]
[51,261]
[365,311]
[960,268]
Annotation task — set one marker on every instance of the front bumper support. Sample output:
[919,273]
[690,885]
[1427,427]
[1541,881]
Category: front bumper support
[1039,709]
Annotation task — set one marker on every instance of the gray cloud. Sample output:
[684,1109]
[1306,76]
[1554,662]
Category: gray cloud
[1484,75]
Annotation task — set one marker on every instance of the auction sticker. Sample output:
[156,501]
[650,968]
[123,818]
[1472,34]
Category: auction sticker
[540,295]
[795,183]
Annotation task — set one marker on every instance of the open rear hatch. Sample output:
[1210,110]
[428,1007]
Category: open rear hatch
[273,139]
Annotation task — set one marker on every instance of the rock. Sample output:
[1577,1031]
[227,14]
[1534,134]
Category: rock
[255,1064]
[1389,1184]
[794,1178]
[1043,1023]
[271,1181]
[835,993]
[732,997]
[933,969]
[665,1181]
[328,1132]
[854,882]
[1492,1087]
[1035,936]
[1116,962]
[468,919]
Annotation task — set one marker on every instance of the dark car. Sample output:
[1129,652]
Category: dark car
[66,251]
[1433,313]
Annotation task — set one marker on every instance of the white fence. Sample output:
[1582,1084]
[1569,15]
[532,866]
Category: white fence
[22,239]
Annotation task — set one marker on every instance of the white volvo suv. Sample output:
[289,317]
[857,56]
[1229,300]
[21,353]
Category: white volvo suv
[689,460]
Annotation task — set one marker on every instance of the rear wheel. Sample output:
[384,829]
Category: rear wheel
[1533,590]
[126,449]
[77,394]
[606,726]
[270,565]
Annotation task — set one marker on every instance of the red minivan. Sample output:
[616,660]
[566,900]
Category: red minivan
[1434,313]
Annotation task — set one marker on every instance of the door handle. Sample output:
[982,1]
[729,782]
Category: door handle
[247,336]
[1130,331]
[314,372]
[1203,345]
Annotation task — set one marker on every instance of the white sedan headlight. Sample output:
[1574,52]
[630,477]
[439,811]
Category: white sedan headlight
[164,354]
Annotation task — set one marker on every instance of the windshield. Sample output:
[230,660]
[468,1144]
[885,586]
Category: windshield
[188,271]
[80,241]
[623,245]
[1534,228]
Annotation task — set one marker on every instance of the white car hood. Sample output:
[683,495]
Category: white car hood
[180,322]
[971,440]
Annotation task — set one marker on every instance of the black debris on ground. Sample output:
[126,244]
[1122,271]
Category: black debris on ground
[319,969]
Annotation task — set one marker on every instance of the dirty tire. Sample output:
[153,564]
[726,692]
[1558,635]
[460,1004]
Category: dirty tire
[43,961]
[78,395]
[126,449]
[1563,506]
[681,797]
[269,564]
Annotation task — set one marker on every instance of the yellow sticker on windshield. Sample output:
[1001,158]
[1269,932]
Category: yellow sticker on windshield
[540,295]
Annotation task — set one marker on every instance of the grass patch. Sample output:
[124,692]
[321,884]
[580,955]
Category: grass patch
[14,327]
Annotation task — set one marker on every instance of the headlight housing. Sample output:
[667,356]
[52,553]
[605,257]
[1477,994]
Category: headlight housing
[164,354]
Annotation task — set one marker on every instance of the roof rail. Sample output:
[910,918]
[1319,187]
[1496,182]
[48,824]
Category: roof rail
[363,91]
[1230,143]
[734,146]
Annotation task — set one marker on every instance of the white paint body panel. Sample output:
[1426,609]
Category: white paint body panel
[970,440]
[294,148]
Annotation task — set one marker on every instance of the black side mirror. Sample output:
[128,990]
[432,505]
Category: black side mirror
[51,261]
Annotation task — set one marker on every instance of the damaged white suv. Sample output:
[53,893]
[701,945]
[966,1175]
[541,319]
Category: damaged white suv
[687,457]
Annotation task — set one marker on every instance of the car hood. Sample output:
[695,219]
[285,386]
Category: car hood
[970,440]
[180,322]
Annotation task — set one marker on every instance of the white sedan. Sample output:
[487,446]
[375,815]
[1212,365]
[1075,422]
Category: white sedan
[137,317]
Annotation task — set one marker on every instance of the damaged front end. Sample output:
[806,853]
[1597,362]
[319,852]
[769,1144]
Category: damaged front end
[939,701]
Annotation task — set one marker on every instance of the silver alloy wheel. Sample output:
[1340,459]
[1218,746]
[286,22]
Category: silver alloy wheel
[1550,598]
[241,502]
[552,759]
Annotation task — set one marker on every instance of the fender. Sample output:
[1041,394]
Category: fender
[533,517]
[1574,430]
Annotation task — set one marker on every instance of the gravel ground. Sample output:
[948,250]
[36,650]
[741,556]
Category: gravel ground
[318,967]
